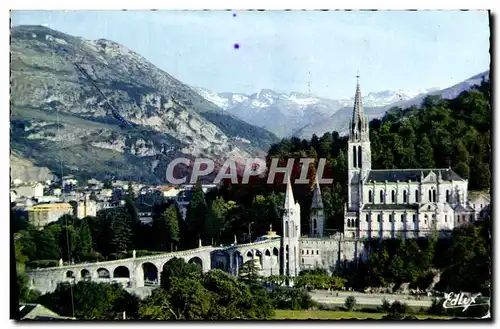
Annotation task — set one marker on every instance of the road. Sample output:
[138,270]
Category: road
[326,297]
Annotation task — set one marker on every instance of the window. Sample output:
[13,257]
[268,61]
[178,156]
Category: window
[354,164]
[370,196]
[307,252]
[433,195]
[446,218]
[317,252]
[353,236]
[447,195]
[430,196]
[357,222]
[302,251]
[379,218]
[302,260]
[286,229]
[315,224]
[359,157]
[416,195]
[405,196]
[367,217]
[402,218]
[414,218]
[393,196]
[390,218]
[458,219]
[381,196]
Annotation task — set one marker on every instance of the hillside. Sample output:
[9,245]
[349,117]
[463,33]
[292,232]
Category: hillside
[60,119]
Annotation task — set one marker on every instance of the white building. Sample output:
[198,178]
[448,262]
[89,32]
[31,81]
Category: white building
[398,202]
[29,190]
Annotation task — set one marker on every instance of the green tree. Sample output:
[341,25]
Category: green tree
[120,231]
[91,301]
[217,219]
[350,303]
[196,217]
[178,268]
[425,153]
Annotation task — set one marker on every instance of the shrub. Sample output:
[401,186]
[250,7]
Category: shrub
[350,303]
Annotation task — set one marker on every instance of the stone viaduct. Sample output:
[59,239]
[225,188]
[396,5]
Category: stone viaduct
[137,272]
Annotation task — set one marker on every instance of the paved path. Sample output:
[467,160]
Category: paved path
[326,297]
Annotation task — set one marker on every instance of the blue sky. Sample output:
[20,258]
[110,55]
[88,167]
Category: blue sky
[285,51]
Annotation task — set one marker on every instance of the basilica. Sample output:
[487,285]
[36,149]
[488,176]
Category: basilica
[381,203]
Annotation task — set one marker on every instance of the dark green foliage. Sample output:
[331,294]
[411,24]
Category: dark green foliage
[178,268]
[196,218]
[287,298]
[166,227]
[91,301]
[214,295]
[350,303]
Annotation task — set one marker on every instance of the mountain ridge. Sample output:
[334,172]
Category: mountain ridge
[167,117]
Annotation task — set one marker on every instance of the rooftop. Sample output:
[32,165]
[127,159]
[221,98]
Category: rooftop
[404,175]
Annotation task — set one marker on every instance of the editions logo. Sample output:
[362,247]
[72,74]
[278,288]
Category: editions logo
[453,300]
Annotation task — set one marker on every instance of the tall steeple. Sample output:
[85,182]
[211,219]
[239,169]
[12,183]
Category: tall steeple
[289,201]
[358,153]
[317,202]
[358,127]
[317,217]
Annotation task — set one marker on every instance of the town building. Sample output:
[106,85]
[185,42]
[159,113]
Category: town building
[29,190]
[42,214]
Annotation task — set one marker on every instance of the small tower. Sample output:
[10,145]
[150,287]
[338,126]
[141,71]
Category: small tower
[291,234]
[317,218]
[358,152]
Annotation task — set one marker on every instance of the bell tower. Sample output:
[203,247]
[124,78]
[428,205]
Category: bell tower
[358,152]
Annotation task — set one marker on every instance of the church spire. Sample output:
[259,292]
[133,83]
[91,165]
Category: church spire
[317,201]
[359,124]
[289,201]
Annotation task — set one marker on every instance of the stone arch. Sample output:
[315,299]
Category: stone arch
[196,260]
[260,258]
[69,275]
[103,273]
[85,274]
[267,253]
[276,252]
[121,272]
[249,254]
[149,273]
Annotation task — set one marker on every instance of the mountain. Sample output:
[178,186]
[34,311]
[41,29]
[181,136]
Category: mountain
[339,121]
[279,113]
[283,114]
[143,118]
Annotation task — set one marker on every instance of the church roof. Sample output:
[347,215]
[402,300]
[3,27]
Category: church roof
[390,206]
[317,202]
[415,175]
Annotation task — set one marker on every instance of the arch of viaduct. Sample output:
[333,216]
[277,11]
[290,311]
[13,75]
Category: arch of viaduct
[138,272]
